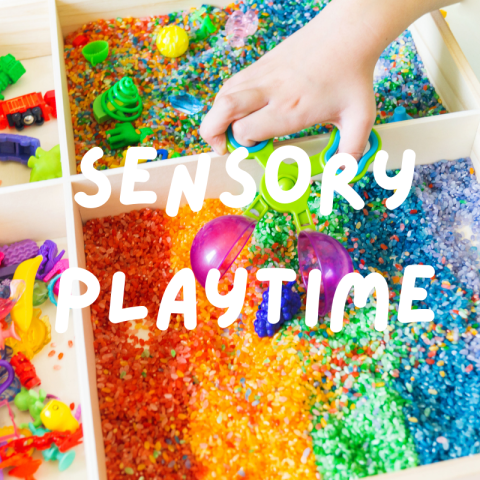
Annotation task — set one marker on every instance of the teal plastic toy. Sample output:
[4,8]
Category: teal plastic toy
[45,165]
[125,135]
[288,175]
[33,402]
[399,115]
[53,453]
[10,72]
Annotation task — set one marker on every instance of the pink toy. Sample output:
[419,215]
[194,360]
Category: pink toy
[16,433]
[241,25]
[8,333]
[1,257]
[17,287]
[59,267]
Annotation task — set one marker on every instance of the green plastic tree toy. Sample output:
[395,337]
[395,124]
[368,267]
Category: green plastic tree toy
[45,165]
[125,135]
[10,71]
[33,402]
[120,102]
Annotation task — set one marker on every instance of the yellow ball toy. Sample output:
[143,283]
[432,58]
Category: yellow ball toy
[172,41]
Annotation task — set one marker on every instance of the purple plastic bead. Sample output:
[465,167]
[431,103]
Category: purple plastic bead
[19,252]
[317,250]
[17,148]
[218,244]
[50,258]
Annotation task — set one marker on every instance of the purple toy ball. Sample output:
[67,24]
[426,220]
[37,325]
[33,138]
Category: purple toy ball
[218,244]
[317,250]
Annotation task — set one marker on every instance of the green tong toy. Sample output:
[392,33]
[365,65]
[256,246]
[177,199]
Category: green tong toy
[288,175]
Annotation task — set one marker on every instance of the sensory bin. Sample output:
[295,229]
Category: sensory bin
[400,78]
[305,403]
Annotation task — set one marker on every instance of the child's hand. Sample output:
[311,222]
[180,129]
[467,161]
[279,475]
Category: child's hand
[321,74]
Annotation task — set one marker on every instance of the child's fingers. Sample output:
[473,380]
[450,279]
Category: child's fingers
[263,125]
[225,111]
[354,135]
[252,74]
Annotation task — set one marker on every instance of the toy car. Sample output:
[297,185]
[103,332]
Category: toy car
[17,148]
[30,109]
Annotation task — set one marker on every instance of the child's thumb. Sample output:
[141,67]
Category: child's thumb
[354,135]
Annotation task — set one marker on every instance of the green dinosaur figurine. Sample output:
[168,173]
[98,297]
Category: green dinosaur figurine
[45,165]
[33,402]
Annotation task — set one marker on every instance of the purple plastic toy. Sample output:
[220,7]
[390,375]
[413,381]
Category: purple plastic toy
[317,250]
[8,272]
[19,252]
[50,258]
[17,148]
[218,244]
[10,377]
[241,25]
[221,240]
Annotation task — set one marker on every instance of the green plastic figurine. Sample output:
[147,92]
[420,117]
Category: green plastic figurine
[40,293]
[206,28]
[32,401]
[120,102]
[10,71]
[125,135]
[45,165]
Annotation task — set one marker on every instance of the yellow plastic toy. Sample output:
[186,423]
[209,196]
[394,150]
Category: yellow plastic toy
[57,416]
[22,312]
[172,41]
[35,338]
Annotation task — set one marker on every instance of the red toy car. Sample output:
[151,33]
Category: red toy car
[31,109]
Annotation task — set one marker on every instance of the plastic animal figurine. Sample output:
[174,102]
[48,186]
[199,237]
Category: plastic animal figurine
[33,402]
[45,165]
[240,26]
